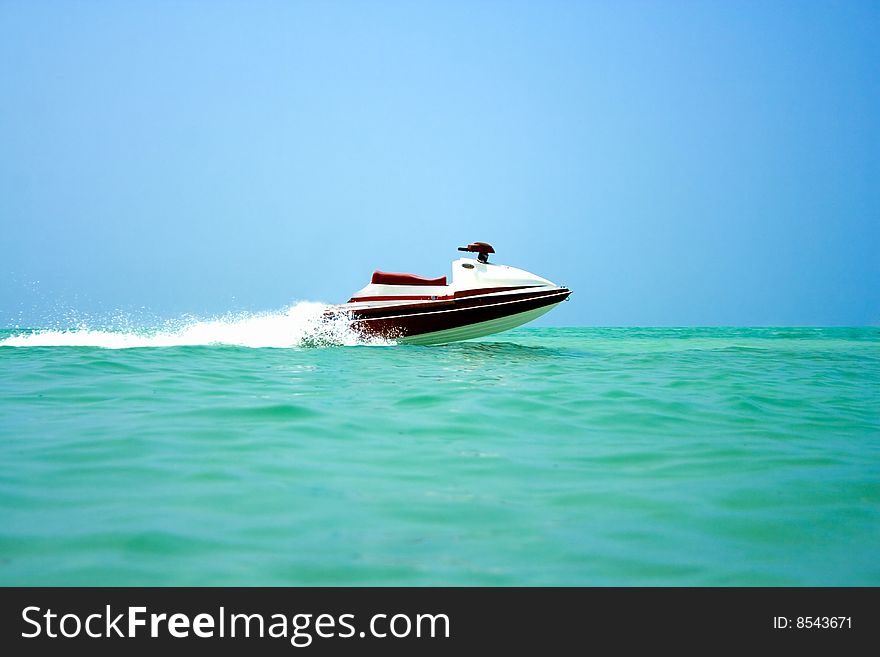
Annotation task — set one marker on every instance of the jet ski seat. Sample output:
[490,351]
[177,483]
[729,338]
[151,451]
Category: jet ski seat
[390,278]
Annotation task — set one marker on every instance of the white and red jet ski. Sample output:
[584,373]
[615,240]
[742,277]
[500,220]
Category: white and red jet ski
[483,298]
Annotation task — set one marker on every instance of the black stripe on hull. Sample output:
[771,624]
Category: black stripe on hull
[458,303]
[408,321]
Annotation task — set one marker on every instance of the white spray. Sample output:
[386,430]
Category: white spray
[303,324]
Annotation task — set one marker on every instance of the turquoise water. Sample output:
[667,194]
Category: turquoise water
[572,456]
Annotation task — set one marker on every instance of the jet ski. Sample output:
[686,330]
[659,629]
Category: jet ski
[483,298]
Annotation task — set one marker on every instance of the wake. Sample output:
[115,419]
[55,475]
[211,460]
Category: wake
[304,324]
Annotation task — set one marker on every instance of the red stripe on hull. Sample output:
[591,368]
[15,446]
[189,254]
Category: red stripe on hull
[425,297]
[399,298]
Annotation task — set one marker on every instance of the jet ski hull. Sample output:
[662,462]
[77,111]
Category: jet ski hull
[450,320]
[478,330]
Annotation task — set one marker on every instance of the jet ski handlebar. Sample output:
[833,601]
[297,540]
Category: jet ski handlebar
[482,249]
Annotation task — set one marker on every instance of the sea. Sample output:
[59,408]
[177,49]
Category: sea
[267,449]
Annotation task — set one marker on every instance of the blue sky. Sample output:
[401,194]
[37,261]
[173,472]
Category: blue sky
[675,163]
